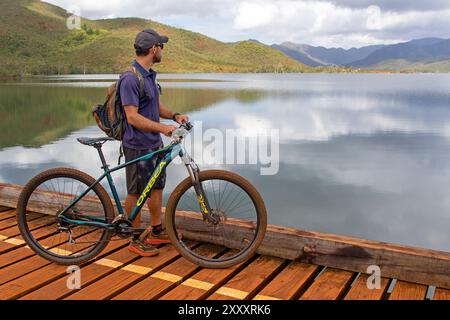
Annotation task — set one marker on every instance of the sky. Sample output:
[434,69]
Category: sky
[329,23]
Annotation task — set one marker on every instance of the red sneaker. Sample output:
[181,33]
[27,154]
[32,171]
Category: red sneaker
[143,249]
[153,239]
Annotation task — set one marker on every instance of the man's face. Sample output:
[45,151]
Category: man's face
[157,54]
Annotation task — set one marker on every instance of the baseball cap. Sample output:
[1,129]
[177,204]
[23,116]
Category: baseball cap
[147,38]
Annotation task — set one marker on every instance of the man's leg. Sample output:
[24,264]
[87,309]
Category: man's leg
[154,205]
[130,202]
[132,176]
[156,233]
[137,246]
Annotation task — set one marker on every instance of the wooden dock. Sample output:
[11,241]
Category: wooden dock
[291,264]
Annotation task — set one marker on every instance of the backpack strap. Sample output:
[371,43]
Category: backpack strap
[141,81]
[141,95]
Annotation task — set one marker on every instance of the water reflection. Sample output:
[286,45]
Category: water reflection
[361,155]
[34,115]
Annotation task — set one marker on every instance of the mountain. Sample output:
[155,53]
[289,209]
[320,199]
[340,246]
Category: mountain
[425,41]
[422,55]
[34,39]
[297,52]
[416,51]
[321,56]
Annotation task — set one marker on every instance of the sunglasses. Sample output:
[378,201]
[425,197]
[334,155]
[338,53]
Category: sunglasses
[161,45]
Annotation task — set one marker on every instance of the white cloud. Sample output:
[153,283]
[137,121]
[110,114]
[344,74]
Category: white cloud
[146,9]
[251,15]
[330,23]
[321,23]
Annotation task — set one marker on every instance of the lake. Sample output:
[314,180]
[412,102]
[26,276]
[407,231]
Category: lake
[365,155]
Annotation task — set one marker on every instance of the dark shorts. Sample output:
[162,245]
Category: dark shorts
[139,174]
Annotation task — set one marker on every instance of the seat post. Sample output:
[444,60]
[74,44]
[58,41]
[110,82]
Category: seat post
[98,146]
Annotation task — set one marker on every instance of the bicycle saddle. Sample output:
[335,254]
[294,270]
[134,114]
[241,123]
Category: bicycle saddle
[92,141]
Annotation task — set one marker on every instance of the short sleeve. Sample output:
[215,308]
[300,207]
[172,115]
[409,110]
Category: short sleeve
[129,90]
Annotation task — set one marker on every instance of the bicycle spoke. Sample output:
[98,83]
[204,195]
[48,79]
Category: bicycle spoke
[55,194]
[227,201]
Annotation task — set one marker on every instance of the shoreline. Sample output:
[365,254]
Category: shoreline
[31,76]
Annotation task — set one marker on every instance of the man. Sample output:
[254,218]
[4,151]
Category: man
[143,135]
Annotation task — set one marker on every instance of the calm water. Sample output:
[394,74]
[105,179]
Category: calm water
[360,155]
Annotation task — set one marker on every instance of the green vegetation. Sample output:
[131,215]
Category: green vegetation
[441,66]
[34,39]
[34,115]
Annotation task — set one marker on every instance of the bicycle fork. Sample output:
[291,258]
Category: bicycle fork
[193,171]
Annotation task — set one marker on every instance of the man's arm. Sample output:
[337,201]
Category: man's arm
[165,113]
[129,94]
[144,124]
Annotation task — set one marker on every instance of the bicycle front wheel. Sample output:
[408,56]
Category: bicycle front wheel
[239,225]
[44,197]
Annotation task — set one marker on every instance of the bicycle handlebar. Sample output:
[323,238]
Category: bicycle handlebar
[187,125]
[182,131]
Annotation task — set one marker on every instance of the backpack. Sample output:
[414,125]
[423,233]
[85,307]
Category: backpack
[110,115]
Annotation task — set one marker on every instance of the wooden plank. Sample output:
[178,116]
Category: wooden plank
[90,273]
[429,267]
[160,282]
[360,290]
[6,247]
[250,280]
[424,266]
[17,241]
[32,280]
[44,203]
[8,222]
[38,228]
[12,221]
[9,213]
[441,294]
[16,264]
[8,243]
[203,283]
[3,208]
[126,276]
[40,277]
[294,278]
[329,285]
[32,225]
[408,291]
[10,238]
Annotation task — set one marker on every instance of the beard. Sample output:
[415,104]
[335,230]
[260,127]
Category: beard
[157,58]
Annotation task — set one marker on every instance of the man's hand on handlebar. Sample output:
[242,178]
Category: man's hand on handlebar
[168,129]
[181,132]
[181,118]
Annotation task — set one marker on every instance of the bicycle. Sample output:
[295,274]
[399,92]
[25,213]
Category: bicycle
[212,206]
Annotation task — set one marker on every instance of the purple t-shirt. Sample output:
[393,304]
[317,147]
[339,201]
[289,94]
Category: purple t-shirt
[148,106]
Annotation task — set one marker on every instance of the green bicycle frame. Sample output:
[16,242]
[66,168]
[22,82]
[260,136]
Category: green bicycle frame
[171,152]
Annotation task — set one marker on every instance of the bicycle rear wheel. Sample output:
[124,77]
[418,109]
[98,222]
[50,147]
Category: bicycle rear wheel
[44,197]
[239,212]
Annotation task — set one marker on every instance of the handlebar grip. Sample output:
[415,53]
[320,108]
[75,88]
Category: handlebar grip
[188,126]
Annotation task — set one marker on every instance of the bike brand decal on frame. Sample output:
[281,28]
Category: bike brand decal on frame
[151,182]
[202,204]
